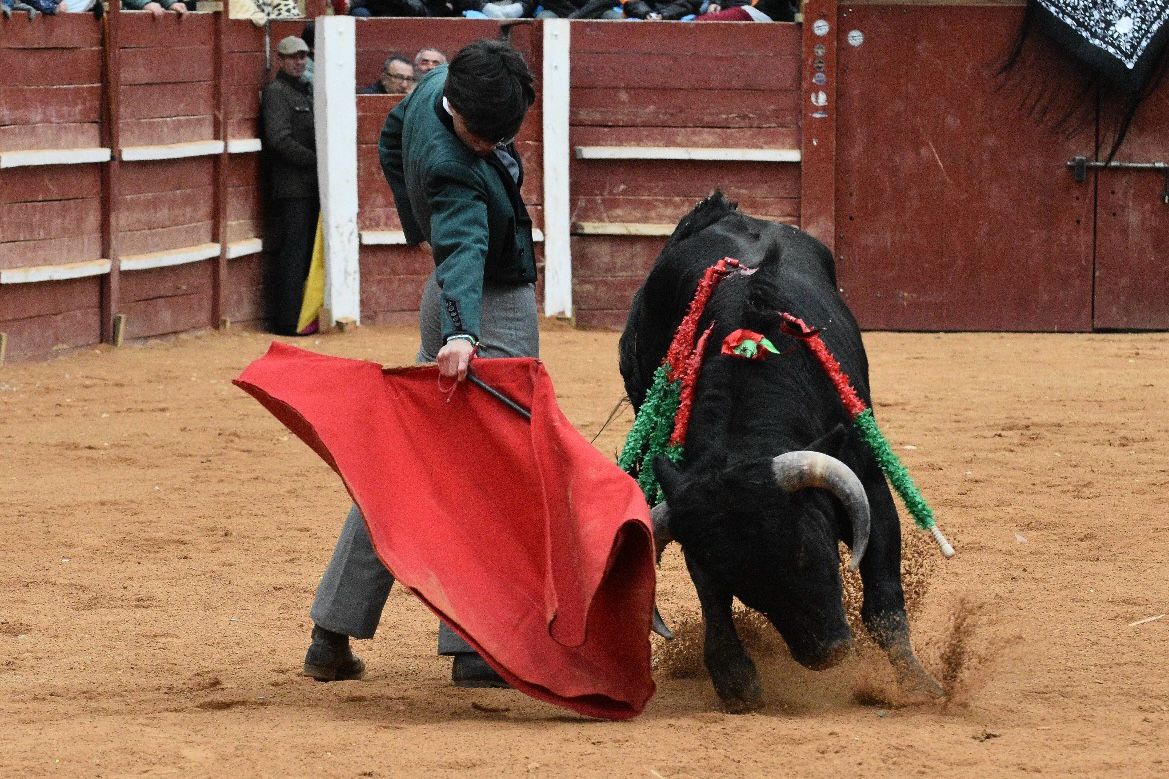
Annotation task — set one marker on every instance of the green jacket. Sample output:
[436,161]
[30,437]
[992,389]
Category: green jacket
[468,207]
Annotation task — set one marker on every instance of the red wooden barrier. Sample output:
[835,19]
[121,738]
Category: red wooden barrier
[710,85]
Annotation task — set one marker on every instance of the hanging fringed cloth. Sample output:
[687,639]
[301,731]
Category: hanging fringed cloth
[1118,45]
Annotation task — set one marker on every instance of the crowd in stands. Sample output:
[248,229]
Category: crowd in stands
[35,8]
[260,11]
[399,74]
[683,10]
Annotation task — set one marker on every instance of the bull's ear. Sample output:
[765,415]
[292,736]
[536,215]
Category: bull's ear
[668,476]
[831,443]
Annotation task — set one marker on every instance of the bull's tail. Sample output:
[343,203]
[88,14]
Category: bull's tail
[712,209]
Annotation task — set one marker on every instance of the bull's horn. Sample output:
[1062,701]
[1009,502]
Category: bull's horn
[800,470]
[660,516]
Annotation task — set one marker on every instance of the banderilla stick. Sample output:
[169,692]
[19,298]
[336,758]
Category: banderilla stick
[659,625]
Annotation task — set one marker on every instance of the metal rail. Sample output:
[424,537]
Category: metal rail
[1080,165]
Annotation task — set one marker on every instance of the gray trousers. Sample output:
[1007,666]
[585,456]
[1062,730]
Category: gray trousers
[355,585]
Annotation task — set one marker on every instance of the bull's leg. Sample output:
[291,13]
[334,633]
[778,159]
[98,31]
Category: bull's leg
[883,612]
[731,671]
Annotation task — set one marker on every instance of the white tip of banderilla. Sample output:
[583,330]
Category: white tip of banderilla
[943,544]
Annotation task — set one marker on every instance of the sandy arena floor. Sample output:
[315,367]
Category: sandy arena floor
[163,536]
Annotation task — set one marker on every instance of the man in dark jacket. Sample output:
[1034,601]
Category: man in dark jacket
[290,148]
[447,152]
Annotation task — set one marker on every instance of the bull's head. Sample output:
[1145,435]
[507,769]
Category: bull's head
[766,530]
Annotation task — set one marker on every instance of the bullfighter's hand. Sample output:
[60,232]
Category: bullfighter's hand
[454,358]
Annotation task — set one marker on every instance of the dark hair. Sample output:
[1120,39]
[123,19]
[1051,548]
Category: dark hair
[396,58]
[489,84]
[308,32]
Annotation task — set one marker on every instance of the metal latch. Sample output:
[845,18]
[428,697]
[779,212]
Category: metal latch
[1080,165]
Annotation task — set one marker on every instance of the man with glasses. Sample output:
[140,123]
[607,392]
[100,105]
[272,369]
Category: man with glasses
[447,153]
[397,78]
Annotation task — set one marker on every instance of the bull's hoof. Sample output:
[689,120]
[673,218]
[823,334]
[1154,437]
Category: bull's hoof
[742,705]
[740,690]
[917,683]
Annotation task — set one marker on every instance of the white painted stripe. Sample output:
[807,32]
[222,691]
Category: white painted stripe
[383,238]
[335,110]
[187,254]
[243,145]
[171,151]
[18,159]
[68,270]
[622,228]
[685,153]
[398,238]
[557,211]
[244,248]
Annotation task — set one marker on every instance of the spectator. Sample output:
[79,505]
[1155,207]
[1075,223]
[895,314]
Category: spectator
[397,78]
[756,10]
[307,35]
[258,12]
[291,157]
[159,7]
[388,8]
[498,9]
[579,9]
[9,6]
[653,10]
[427,60]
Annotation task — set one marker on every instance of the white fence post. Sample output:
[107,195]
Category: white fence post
[335,113]
[557,225]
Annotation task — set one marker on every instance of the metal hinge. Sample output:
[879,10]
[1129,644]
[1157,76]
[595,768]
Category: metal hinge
[1079,167]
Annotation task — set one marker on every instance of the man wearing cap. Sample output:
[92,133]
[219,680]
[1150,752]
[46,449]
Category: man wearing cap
[290,150]
[447,151]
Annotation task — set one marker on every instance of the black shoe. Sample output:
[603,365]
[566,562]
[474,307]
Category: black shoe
[329,658]
[470,670]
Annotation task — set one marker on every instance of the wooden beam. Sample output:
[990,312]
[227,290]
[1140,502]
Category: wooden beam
[219,274]
[19,159]
[111,179]
[58,272]
[243,145]
[335,117]
[686,153]
[557,208]
[170,257]
[244,248]
[818,121]
[622,228]
[171,151]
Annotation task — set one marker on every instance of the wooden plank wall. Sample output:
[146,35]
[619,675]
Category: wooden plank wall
[392,275]
[955,210]
[245,74]
[53,215]
[710,85]
[51,97]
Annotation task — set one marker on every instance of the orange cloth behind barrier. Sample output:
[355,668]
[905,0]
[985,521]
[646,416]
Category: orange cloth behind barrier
[532,545]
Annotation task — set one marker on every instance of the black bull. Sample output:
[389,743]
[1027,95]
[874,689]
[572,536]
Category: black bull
[743,534]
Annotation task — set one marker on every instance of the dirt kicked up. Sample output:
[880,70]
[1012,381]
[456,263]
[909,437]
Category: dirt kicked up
[163,535]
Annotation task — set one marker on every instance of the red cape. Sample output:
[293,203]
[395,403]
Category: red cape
[532,545]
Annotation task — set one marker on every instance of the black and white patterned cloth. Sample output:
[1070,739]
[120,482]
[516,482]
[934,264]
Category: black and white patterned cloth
[1124,29]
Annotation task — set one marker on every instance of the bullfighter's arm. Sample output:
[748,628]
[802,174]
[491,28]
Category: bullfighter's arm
[459,239]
